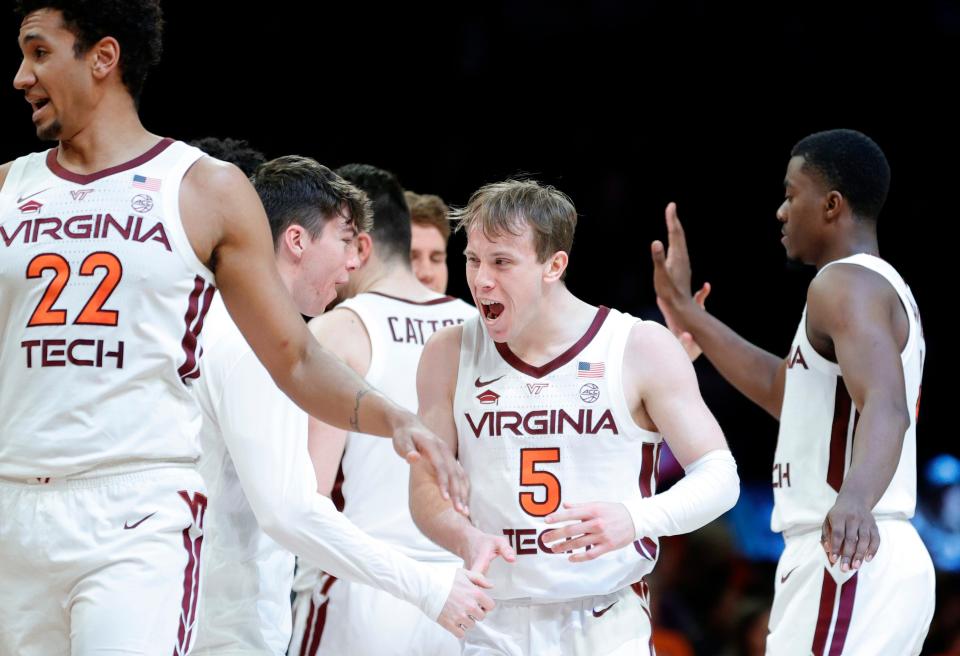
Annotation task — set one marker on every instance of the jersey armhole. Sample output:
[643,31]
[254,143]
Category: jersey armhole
[171,200]
[617,351]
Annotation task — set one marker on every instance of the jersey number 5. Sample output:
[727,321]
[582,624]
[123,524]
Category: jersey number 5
[92,313]
[531,476]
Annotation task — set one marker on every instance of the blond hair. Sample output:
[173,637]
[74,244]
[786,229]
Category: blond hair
[505,207]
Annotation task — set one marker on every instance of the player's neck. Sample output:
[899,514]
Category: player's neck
[561,319]
[395,279]
[861,241]
[113,135]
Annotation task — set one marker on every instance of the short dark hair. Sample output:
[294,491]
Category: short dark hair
[137,25]
[849,162]
[299,190]
[235,151]
[391,216]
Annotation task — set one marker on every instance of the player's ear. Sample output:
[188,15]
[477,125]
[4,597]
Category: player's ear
[555,265]
[364,247]
[833,204]
[104,57]
[294,238]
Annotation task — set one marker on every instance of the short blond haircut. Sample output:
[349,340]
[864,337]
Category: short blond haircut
[505,207]
[429,210]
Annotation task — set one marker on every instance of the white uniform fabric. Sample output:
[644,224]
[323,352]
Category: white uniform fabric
[883,608]
[886,606]
[617,624]
[263,495]
[101,564]
[102,295]
[531,438]
[817,423]
[376,493]
[102,300]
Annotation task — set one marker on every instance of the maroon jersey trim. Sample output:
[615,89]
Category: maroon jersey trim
[436,301]
[837,464]
[539,372]
[86,178]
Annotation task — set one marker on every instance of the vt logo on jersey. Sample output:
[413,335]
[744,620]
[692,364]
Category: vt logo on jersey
[488,396]
[80,194]
[536,388]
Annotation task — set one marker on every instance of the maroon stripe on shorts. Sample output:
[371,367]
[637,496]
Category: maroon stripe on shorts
[848,591]
[828,593]
[191,573]
[838,436]
[319,620]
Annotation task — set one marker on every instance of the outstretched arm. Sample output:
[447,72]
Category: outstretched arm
[756,373]
[261,435]
[228,227]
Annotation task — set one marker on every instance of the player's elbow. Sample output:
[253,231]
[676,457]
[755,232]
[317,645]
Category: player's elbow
[277,520]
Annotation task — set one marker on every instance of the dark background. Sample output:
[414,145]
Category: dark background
[623,105]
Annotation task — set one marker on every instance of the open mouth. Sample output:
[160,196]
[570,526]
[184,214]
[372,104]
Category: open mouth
[491,309]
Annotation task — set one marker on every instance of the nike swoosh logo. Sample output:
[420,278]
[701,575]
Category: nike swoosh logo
[129,526]
[481,383]
[36,193]
[783,579]
[599,613]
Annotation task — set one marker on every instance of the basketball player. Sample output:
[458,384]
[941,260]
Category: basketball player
[110,245]
[379,331]
[557,410]
[854,577]
[255,460]
[430,233]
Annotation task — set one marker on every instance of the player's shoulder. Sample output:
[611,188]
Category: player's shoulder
[340,322]
[215,176]
[653,353]
[846,285]
[4,169]
[649,335]
[444,345]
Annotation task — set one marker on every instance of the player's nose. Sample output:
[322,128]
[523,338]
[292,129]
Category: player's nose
[24,79]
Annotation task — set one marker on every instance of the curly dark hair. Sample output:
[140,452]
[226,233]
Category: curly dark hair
[235,151]
[850,162]
[137,25]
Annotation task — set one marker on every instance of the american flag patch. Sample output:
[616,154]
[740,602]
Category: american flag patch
[150,184]
[590,370]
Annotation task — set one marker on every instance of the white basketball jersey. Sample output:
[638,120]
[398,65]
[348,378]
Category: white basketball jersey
[375,480]
[247,576]
[101,304]
[818,420]
[531,438]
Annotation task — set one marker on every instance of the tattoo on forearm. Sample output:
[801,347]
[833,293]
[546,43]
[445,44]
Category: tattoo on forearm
[355,419]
